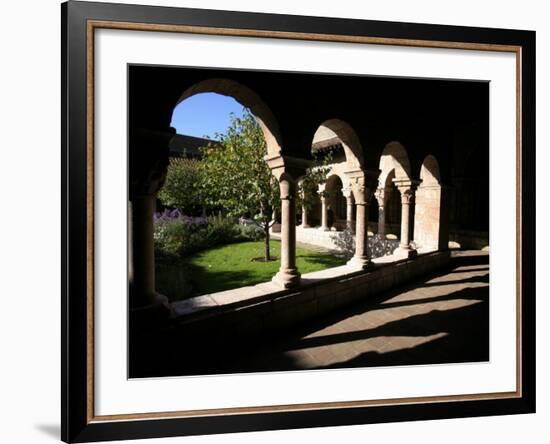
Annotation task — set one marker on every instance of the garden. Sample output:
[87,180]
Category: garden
[214,232]
[198,255]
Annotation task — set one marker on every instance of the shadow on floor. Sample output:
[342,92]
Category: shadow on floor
[452,335]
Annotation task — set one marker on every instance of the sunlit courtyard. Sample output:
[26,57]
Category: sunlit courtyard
[435,320]
[232,266]
[277,224]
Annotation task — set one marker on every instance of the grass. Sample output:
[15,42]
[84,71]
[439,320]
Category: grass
[231,266]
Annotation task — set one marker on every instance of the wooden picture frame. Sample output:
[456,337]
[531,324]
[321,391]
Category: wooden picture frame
[79,22]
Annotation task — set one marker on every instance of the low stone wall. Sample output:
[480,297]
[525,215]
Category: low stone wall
[266,309]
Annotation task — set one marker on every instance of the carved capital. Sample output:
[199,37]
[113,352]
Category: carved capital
[290,166]
[407,188]
[363,183]
[407,196]
[347,193]
[382,195]
[287,186]
[148,161]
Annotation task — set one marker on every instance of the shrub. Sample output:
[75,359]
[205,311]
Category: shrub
[250,232]
[220,230]
[177,235]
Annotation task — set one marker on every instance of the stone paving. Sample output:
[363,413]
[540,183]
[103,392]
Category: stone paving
[438,320]
[415,317]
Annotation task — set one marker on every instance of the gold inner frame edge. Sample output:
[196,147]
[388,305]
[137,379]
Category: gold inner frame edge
[233,32]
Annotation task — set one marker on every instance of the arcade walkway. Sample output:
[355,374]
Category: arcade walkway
[440,319]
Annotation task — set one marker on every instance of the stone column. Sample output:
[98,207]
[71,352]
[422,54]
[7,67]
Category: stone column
[286,170]
[288,274]
[361,257]
[381,196]
[363,183]
[349,207]
[324,214]
[147,177]
[406,188]
[305,222]
[143,250]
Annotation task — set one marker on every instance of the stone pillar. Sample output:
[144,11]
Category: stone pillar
[381,197]
[143,251]
[362,183]
[324,214]
[286,170]
[305,222]
[361,258]
[430,228]
[406,188]
[148,172]
[288,274]
[349,207]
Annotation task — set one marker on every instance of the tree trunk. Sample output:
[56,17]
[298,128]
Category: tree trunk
[266,240]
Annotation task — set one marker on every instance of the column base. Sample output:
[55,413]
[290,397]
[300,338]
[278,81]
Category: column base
[287,278]
[324,228]
[360,262]
[305,226]
[405,252]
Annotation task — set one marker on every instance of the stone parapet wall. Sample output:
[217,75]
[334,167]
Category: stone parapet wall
[264,309]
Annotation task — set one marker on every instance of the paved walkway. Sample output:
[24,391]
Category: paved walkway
[440,319]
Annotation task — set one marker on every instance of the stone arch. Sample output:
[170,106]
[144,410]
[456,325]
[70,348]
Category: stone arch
[343,133]
[249,99]
[430,227]
[334,176]
[429,171]
[394,158]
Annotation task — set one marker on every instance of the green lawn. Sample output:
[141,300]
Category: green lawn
[231,266]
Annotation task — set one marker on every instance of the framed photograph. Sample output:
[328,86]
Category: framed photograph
[275,221]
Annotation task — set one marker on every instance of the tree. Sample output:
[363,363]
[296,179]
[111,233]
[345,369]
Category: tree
[182,188]
[236,177]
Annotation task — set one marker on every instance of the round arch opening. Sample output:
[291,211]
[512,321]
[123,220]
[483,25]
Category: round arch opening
[249,100]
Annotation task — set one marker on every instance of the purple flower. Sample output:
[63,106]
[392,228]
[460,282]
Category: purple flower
[175,215]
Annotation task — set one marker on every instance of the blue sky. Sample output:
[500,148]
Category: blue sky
[205,114]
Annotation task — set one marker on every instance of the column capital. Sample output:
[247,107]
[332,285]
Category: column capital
[363,183]
[149,158]
[404,184]
[406,187]
[287,186]
[369,178]
[382,195]
[347,193]
[292,167]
